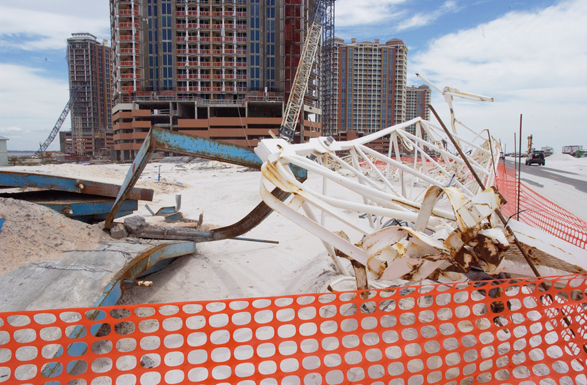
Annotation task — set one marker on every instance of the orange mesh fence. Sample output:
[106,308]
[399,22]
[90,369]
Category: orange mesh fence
[530,331]
[538,211]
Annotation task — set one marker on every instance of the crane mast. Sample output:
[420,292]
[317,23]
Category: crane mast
[43,147]
[300,84]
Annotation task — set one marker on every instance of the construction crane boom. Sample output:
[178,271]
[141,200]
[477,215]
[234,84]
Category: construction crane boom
[529,146]
[300,84]
[59,123]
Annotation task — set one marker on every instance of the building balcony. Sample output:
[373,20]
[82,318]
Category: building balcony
[129,63]
[141,123]
[128,89]
[121,125]
[129,37]
[129,51]
[128,12]
[128,25]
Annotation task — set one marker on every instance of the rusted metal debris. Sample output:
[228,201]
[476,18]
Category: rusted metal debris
[80,199]
[452,223]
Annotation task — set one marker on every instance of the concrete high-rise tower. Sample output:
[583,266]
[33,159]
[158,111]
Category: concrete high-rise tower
[89,65]
[221,69]
[417,102]
[370,86]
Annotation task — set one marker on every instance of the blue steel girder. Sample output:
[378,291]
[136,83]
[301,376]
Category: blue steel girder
[60,183]
[190,145]
[90,209]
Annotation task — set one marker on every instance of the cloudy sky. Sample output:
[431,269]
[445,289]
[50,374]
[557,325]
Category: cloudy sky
[530,56]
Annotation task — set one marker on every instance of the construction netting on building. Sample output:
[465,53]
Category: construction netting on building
[538,211]
[530,331]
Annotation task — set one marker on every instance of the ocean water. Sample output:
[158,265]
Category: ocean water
[20,153]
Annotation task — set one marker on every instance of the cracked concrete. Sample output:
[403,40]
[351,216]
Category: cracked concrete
[77,280]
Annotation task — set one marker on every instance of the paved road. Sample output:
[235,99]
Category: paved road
[546,172]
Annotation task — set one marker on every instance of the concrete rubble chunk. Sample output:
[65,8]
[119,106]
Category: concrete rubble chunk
[135,224]
[139,227]
[118,231]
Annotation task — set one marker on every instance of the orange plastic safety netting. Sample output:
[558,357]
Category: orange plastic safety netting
[530,331]
[538,211]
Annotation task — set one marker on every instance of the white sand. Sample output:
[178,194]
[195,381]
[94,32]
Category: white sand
[34,233]
[231,268]
[222,269]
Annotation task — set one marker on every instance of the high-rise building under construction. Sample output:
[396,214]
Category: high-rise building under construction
[220,69]
[89,65]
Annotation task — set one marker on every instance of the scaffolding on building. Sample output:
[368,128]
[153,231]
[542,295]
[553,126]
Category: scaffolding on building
[328,69]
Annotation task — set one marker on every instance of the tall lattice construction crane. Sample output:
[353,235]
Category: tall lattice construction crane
[321,20]
[68,106]
[328,72]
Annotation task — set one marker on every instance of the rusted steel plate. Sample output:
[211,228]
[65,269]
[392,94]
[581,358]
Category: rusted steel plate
[60,183]
[205,148]
[133,175]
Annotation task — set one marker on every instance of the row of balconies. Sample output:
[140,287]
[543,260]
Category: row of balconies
[191,76]
[210,26]
[226,51]
[211,14]
[130,114]
[128,25]
[132,136]
[196,88]
[130,63]
[129,51]
[206,77]
[191,88]
[129,37]
[211,64]
[128,12]
[215,2]
[207,38]
[128,89]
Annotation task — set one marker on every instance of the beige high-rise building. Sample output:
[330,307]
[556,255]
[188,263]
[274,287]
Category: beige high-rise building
[370,86]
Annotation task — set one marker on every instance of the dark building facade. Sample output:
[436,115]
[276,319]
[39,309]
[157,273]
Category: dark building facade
[221,69]
[417,102]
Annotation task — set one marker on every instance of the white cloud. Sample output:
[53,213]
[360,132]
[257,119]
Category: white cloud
[30,105]
[532,63]
[41,24]
[350,13]
[422,19]
[10,129]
